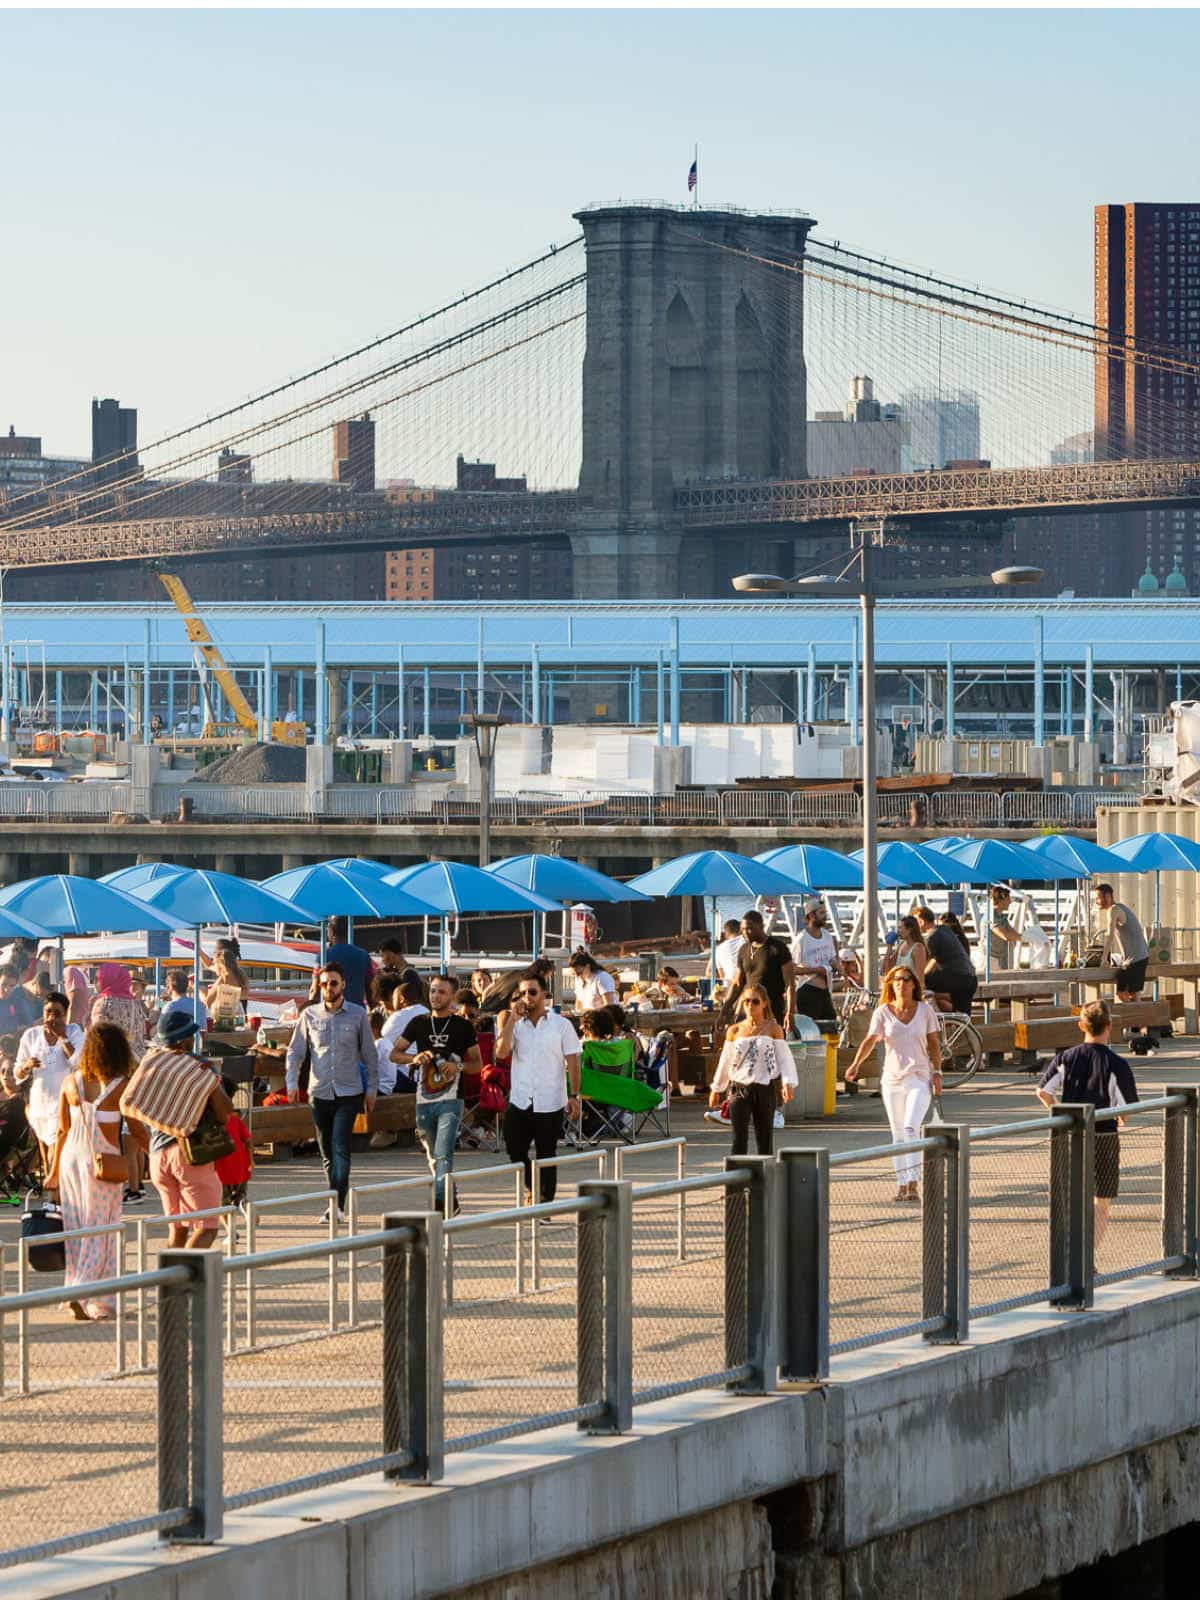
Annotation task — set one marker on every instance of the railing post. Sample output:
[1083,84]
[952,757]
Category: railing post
[1181,1126]
[945,1226]
[604,1305]
[191,1444]
[412,1346]
[1072,1207]
[752,1315]
[804,1334]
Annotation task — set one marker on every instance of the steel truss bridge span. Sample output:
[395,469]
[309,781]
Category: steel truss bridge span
[973,491]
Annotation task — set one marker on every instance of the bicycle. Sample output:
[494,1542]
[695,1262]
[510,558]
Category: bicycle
[962,1048]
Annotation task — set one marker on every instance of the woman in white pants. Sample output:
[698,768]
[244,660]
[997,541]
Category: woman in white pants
[906,1026]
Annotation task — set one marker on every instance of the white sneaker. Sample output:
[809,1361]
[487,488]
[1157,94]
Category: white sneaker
[382,1141]
[777,1120]
[341,1216]
[712,1115]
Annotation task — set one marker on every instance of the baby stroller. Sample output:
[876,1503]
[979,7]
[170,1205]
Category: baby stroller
[20,1159]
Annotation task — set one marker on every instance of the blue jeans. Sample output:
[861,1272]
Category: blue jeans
[437,1129]
[333,1120]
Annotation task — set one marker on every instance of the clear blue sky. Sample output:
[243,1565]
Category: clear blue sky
[198,203]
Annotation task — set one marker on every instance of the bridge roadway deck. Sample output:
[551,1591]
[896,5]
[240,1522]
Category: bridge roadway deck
[452,518]
[309,1406]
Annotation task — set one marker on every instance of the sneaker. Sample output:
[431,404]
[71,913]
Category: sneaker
[383,1141]
[134,1197]
[777,1120]
[715,1116]
[341,1216]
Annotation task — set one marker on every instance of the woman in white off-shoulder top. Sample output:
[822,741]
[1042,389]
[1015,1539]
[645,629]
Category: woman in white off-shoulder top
[755,1055]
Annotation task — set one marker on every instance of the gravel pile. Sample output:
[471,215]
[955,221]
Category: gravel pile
[257,763]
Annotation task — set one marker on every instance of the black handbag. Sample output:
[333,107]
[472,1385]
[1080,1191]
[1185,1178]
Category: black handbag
[45,1224]
[207,1141]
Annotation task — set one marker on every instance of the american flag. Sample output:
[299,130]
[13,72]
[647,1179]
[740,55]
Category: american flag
[692,177]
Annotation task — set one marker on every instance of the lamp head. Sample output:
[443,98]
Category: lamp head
[759,583]
[1006,577]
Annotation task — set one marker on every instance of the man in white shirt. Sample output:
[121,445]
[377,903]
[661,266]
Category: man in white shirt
[727,953]
[816,958]
[545,1052]
[47,1054]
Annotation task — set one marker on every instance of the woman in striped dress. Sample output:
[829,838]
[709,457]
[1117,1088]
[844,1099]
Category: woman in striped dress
[90,1122]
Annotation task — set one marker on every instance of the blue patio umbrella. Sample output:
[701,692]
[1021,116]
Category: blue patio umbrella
[340,889]
[563,880]
[1074,850]
[911,866]
[997,861]
[64,904]
[453,888]
[130,878]
[823,868]
[715,874]
[13,926]
[947,841]
[1158,852]
[195,897]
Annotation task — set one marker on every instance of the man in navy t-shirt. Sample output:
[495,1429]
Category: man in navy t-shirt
[355,962]
[1092,1073]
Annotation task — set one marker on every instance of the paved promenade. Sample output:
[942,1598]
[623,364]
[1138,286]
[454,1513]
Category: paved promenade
[79,1447]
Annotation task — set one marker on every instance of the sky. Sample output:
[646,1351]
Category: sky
[202,203]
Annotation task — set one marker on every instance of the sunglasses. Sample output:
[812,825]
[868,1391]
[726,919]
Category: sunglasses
[752,1001]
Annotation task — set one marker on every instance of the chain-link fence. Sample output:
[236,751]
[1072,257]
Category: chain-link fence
[1011,1201]
[877,1243]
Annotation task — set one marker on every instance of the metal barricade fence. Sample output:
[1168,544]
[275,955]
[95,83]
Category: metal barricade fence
[1088,801]
[899,807]
[23,800]
[960,807]
[1031,807]
[754,805]
[824,806]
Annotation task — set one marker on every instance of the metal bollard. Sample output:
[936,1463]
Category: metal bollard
[191,1424]
[945,1219]
[1179,1187]
[604,1306]
[413,1379]
[804,1335]
[1072,1211]
[751,1317]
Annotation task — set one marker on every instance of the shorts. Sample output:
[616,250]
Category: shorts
[814,1002]
[1131,978]
[182,1187]
[1108,1164]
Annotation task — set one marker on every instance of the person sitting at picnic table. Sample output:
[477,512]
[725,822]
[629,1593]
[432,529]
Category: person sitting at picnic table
[668,992]
[595,985]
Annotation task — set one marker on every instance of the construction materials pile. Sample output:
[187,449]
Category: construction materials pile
[256,763]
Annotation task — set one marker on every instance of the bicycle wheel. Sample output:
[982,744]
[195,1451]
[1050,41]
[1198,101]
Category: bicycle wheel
[962,1052]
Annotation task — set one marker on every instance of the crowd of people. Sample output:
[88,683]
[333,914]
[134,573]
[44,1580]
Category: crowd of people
[101,1083]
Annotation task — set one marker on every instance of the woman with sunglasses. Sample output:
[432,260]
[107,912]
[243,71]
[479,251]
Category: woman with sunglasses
[753,1058]
[906,1026]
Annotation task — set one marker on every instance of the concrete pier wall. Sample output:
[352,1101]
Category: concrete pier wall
[1052,1440]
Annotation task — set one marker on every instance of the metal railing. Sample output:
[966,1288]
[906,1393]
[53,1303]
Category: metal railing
[379,804]
[802,1264]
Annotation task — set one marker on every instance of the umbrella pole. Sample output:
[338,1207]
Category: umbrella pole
[445,944]
[1157,881]
[349,930]
[535,942]
[196,970]
[1057,960]
[712,949]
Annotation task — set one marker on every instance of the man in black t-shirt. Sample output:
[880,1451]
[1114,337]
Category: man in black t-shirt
[767,961]
[1092,1073]
[949,971]
[446,1048]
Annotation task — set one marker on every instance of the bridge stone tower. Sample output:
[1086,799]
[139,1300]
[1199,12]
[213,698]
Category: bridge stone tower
[694,369]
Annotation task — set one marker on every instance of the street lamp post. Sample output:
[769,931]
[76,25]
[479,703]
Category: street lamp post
[486,728]
[866,589]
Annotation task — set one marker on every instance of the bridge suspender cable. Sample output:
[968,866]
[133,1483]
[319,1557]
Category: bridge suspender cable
[315,372]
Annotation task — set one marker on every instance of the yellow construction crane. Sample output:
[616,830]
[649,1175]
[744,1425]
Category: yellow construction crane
[292,733]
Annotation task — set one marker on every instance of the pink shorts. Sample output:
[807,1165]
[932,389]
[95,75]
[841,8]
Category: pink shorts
[182,1187]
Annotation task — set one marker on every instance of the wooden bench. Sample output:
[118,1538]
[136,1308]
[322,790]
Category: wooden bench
[1060,1032]
[289,1125]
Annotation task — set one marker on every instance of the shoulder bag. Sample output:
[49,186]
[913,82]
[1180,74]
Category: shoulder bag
[207,1141]
[108,1166]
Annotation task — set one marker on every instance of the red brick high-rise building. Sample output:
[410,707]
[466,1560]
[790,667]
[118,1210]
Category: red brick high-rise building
[1147,276]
